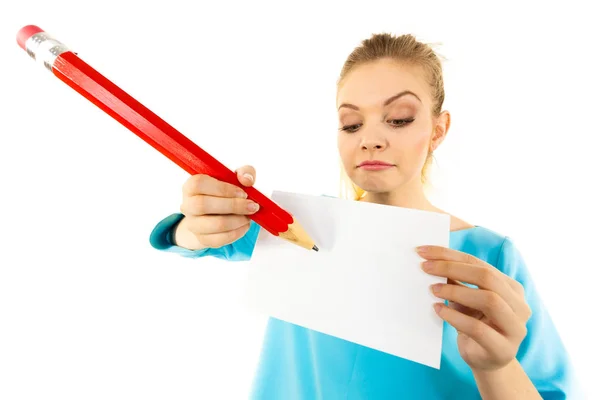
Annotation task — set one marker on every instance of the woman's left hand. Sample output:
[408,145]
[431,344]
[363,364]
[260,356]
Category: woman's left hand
[490,319]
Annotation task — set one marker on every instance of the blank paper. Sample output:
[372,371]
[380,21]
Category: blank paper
[365,285]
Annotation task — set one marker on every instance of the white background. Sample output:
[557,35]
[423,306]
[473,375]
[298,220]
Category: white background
[88,310]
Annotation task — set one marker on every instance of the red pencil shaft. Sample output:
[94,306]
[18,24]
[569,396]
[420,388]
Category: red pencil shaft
[88,82]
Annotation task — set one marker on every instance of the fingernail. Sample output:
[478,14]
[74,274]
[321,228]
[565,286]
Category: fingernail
[422,249]
[436,287]
[252,207]
[437,307]
[249,177]
[241,194]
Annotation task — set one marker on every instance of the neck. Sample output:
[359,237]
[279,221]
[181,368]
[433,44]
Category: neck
[410,195]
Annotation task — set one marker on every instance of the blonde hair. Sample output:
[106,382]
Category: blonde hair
[408,50]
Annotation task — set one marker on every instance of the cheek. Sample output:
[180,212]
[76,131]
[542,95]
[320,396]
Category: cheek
[413,147]
[345,147]
[418,141]
[422,144]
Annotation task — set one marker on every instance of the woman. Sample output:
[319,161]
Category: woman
[499,342]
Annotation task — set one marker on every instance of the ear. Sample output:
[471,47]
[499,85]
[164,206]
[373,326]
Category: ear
[441,125]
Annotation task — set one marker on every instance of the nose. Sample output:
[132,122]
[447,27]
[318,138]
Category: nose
[371,141]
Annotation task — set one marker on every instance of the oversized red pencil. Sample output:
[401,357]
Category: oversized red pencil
[88,82]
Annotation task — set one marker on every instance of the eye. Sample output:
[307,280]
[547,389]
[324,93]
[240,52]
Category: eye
[350,128]
[399,123]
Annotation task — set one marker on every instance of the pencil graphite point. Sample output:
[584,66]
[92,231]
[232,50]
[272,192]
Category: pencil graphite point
[297,235]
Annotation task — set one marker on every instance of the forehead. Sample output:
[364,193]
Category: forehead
[369,85]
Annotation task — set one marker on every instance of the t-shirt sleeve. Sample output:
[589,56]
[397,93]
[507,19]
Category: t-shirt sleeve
[161,238]
[542,354]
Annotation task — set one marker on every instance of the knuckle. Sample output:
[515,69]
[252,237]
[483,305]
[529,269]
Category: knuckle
[201,178]
[524,331]
[235,205]
[448,268]
[198,206]
[241,206]
[471,259]
[440,251]
[477,329]
[234,235]
[230,190]
[201,181]
[487,278]
[184,207]
[220,224]
[449,291]
[193,184]
[519,287]
[192,181]
[528,311]
[492,301]
[439,266]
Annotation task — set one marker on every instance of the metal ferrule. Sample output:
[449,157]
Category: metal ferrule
[44,49]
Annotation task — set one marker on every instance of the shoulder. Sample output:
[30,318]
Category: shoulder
[493,247]
[457,224]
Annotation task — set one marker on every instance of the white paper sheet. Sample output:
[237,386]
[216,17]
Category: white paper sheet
[365,285]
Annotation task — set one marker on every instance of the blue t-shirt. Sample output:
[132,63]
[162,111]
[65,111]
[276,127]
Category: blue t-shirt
[298,363]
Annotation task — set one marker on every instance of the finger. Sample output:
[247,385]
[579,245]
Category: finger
[525,311]
[483,334]
[246,175]
[465,310]
[461,308]
[484,278]
[516,286]
[444,253]
[211,224]
[201,184]
[221,239]
[453,282]
[205,205]
[481,277]
[489,303]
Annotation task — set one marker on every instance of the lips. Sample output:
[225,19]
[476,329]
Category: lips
[375,163]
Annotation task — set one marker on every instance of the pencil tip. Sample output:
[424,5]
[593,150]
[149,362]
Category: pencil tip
[315,248]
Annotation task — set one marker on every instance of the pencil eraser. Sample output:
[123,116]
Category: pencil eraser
[25,33]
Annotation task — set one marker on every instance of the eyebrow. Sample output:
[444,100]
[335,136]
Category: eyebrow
[387,102]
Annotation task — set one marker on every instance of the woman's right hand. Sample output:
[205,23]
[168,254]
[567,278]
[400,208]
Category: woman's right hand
[216,212]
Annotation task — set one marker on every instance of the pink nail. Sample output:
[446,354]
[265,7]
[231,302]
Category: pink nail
[249,177]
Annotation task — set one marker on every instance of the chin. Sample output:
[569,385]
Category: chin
[380,181]
[380,186]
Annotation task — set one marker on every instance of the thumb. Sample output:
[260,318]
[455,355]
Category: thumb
[246,175]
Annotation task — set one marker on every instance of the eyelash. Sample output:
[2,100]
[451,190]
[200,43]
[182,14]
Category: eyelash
[403,122]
